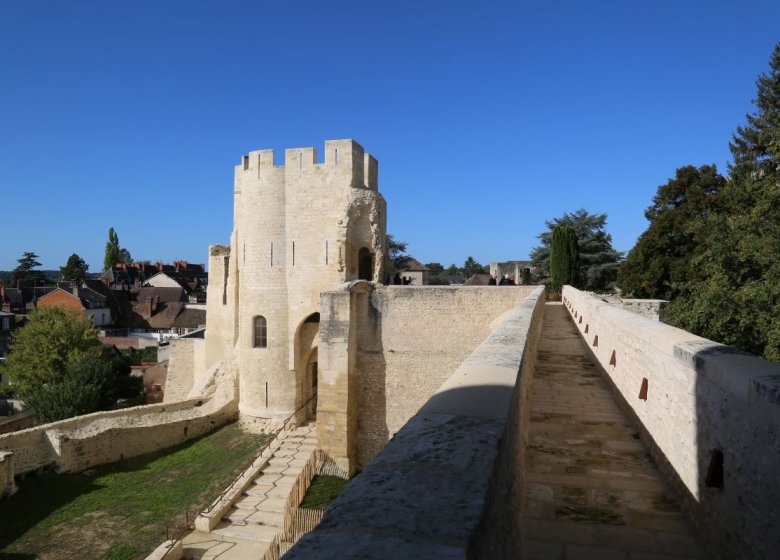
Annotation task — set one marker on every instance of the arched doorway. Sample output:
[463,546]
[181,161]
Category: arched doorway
[365,264]
[306,370]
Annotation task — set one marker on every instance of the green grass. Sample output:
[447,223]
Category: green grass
[322,491]
[121,511]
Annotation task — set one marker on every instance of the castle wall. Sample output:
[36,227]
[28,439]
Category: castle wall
[708,410]
[426,494]
[410,341]
[385,350]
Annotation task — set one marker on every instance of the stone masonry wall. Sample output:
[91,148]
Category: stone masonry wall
[410,340]
[88,440]
[450,483]
[710,413]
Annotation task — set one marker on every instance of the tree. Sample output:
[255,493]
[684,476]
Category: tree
[453,270]
[59,368]
[435,269]
[113,252]
[24,275]
[732,294]
[75,269]
[472,267]
[397,252]
[660,262]
[564,257]
[598,259]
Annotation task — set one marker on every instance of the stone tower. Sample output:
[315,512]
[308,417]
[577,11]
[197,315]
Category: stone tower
[300,229]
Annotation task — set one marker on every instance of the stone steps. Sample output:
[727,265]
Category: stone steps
[257,515]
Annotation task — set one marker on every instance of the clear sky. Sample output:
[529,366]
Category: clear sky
[487,118]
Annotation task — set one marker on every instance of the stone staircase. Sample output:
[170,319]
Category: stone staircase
[255,517]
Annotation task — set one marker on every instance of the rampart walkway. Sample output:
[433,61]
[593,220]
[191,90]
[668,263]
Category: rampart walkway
[593,492]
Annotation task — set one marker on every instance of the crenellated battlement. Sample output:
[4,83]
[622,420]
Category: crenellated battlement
[345,156]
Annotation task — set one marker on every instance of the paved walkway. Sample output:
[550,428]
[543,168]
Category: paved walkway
[593,492]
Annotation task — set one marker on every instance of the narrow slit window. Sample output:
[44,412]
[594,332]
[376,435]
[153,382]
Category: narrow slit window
[261,332]
[272,253]
[336,152]
[326,252]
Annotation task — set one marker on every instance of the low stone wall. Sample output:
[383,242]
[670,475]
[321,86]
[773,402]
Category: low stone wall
[711,414]
[84,441]
[450,483]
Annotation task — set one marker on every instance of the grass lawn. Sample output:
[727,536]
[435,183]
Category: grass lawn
[120,512]
[322,491]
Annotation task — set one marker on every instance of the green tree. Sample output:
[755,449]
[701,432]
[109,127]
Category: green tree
[59,368]
[453,270]
[660,262]
[733,291]
[24,274]
[564,257]
[598,261]
[435,269]
[472,267]
[113,252]
[75,269]
[397,252]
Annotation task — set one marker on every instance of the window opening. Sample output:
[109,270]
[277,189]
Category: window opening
[261,332]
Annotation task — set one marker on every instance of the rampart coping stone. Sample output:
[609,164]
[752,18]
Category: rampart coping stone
[457,463]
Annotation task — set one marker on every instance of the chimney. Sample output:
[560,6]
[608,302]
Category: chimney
[149,307]
[2,293]
[160,266]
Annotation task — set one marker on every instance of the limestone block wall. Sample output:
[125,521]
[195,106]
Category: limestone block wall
[711,414]
[410,339]
[450,483]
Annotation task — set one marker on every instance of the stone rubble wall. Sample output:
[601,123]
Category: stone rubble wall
[701,398]
[450,483]
[102,437]
[650,308]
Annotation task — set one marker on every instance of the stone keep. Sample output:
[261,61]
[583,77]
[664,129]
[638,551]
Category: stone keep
[300,229]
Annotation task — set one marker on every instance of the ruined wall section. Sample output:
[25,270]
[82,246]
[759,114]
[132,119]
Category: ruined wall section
[710,414]
[410,341]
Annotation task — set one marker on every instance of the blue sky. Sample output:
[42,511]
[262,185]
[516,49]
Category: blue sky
[487,118]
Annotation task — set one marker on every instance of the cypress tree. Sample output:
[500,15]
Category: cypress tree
[564,257]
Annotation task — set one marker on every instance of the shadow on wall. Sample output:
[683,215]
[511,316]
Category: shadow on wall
[448,484]
[372,427]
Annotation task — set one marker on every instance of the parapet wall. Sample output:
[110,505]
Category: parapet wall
[711,414]
[450,483]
